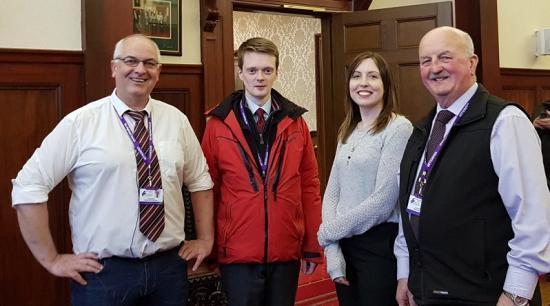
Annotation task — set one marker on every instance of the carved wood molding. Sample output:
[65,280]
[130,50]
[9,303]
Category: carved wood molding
[210,17]
[525,72]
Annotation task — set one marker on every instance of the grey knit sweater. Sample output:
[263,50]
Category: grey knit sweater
[362,189]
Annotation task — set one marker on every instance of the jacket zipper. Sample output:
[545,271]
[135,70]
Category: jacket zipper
[248,166]
[278,172]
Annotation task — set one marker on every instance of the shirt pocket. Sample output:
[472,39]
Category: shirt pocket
[171,159]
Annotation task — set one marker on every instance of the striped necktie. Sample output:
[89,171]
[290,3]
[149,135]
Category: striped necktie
[151,216]
[260,123]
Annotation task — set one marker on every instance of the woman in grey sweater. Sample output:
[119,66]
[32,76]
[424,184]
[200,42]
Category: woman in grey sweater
[359,205]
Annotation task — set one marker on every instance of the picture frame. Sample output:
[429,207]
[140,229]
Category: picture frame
[159,20]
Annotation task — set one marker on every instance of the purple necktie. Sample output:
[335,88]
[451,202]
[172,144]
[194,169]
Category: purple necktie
[438,131]
[435,139]
[260,123]
[151,216]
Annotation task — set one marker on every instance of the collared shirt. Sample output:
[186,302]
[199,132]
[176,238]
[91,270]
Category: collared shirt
[516,157]
[91,148]
[253,107]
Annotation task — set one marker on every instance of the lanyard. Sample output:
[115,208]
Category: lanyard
[427,165]
[263,161]
[146,159]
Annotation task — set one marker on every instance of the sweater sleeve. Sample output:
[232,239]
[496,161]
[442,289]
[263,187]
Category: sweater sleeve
[336,264]
[376,208]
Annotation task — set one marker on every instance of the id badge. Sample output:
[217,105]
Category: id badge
[414,205]
[151,196]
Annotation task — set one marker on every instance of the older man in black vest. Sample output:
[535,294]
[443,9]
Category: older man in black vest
[475,207]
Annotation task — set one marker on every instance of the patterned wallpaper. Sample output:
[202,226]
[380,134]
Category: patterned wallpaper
[294,36]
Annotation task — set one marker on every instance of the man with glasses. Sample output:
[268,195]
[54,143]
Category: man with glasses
[126,158]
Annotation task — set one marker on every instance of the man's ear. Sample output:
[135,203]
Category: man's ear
[473,63]
[113,68]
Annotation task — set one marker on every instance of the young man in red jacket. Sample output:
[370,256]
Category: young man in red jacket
[266,185]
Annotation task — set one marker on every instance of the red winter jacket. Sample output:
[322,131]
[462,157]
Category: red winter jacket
[257,220]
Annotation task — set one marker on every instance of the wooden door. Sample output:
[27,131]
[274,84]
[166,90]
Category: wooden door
[395,33]
[37,89]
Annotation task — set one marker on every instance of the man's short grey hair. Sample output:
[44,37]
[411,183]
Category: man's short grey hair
[118,47]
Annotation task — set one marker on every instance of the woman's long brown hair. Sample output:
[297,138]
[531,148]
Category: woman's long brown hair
[389,105]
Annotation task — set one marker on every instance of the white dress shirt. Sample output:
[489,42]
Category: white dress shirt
[92,149]
[253,107]
[517,160]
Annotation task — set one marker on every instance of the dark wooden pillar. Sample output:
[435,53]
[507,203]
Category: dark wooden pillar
[104,22]
[217,50]
[480,19]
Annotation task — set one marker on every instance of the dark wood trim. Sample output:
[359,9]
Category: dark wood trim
[41,56]
[320,81]
[327,122]
[330,5]
[526,72]
[182,69]
[228,49]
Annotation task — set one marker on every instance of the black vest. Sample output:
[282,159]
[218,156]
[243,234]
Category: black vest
[464,229]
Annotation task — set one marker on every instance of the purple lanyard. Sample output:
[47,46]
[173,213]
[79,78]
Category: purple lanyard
[263,161]
[146,159]
[427,165]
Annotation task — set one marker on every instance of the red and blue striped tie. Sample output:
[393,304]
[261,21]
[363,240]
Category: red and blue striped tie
[151,216]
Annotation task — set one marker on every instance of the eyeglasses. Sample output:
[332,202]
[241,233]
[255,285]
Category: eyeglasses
[134,62]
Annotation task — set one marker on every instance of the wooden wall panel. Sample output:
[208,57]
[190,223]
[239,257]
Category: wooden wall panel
[545,94]
[528,87]
[354,37]
[37,89]
[182,86]
[410,31]
[525,96]
[415,100]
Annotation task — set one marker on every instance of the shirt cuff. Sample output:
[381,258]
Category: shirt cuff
[27,194]
[402,267]
[201,184]
[520,282]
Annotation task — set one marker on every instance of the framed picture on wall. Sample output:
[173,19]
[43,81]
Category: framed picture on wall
[161,21]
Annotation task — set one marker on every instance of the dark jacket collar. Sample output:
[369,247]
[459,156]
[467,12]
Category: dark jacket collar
[287,108]
[476,110]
